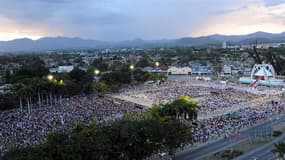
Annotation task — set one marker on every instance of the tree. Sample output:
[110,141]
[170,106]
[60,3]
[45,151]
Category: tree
[143,62]
[279,149]
[175,134]
[183,108]
[140,75]
[116,77]
[18,90]
[83,79]
[100,87]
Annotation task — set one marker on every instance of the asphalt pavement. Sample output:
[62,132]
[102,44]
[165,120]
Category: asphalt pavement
[203,151]
[262,153]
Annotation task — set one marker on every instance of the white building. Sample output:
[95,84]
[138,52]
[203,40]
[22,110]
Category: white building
[227,70]
[224,45]
[179,70]
[65,69]
[61,69]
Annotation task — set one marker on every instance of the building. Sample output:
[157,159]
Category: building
[65,69]
[224,45]
[61,69]
[2,76]
[226,70]
[201,70]
[179,70]
[247,71]
[162,69]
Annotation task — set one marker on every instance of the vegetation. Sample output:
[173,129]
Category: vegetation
[228,154]
[279,149]
[276,133]
[133,138]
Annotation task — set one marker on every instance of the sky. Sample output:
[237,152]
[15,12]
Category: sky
[116,20]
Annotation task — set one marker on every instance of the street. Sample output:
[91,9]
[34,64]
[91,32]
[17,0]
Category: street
[218,145]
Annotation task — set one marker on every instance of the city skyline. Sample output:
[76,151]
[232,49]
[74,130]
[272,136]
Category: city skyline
[124,20]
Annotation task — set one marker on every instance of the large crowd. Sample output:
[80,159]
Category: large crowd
[212,99]
[18,128]
[246,106]
[22,129]
[225,125]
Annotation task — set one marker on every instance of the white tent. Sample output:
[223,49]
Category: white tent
[263,72]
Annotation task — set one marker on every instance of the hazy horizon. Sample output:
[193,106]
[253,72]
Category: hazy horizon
[139,37]
[119,20]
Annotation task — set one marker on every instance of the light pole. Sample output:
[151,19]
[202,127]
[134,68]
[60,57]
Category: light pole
[132,67]
[157,64]
[50,78]
[60,96]
[96,72]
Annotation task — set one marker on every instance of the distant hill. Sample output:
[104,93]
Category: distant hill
[49,43]
[257,35]
[56,43]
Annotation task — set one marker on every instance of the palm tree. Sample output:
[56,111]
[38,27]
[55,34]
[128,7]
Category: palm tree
[45,90]
[154,112]
[18,91]
[279,149]
[27,92]
[185,108]
[51,88]
[37,87]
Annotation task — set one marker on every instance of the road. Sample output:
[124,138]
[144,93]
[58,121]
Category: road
[264,152]
[203,151]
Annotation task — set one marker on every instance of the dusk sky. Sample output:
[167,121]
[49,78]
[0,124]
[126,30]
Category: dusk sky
[115,20]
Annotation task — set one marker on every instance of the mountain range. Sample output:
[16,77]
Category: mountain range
[59,43]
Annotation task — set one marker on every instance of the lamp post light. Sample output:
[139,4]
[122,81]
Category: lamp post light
[157,64]
[97,72]
[61,83]
[50,77]
[132,67]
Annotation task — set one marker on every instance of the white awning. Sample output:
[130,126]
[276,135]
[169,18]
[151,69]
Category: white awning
[263,72]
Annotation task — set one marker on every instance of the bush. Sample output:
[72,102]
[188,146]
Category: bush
[276,133]
[230,154]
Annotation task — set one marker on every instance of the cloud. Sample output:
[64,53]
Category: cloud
[273,2]
[129,19]
[257,16]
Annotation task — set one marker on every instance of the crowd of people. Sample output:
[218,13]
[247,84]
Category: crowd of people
[19,128]
[212,99]
[225,125]
[22,129]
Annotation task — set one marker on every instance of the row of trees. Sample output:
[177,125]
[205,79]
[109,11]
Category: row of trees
[30,83]
[133,138]
[44,91]
[48,90]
